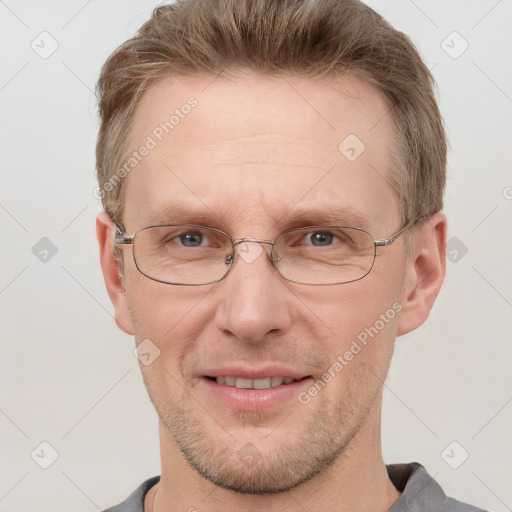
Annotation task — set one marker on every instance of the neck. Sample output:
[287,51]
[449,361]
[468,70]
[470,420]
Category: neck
[357,481]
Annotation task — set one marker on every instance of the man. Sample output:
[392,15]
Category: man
[272,174]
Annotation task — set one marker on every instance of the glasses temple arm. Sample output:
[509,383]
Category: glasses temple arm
[119,237]
[391,239]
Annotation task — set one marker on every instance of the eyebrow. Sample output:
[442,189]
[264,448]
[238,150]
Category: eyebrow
[340,216]
[180,214]
[173,213]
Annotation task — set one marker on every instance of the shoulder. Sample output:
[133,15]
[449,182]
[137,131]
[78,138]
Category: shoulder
[420,492]
[135,502]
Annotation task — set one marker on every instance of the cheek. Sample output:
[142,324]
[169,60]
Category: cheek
[355,326]
[346,310]
[171,317]
[359,357]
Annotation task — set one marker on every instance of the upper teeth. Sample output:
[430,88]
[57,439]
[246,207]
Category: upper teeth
[268,382]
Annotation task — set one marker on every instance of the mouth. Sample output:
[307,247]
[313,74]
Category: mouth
[262,383]
[255,394]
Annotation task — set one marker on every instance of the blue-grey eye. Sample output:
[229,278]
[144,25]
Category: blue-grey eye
[191,239]
[320,238]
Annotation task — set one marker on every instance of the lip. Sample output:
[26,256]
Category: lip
[253,373]
[255,399]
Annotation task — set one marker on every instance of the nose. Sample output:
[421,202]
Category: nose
[255,301]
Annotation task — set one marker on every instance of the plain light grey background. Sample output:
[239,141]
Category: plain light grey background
[68,376]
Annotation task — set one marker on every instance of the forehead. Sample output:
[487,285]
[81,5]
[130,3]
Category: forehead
[252,148]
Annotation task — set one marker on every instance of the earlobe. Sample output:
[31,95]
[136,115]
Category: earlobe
[110,266]
[426,266]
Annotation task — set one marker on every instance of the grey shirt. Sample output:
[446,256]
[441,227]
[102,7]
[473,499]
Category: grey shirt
[420,493]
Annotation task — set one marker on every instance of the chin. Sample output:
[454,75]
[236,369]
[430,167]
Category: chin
[246,462]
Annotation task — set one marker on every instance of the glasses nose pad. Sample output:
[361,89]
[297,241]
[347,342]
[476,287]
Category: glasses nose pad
[274,256]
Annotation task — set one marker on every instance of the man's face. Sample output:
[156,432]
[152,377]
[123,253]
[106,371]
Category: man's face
[246,159]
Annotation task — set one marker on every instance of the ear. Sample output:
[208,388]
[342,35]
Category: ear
[105,232]
[426,267]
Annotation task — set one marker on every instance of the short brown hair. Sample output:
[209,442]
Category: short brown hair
[308,38]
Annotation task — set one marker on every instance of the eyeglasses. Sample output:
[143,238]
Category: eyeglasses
[192,255]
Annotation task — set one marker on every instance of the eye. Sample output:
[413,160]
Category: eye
[320,238]
[191,239]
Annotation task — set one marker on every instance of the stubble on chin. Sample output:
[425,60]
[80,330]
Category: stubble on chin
[285,456]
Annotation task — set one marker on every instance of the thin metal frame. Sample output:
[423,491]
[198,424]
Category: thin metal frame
[121,239]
